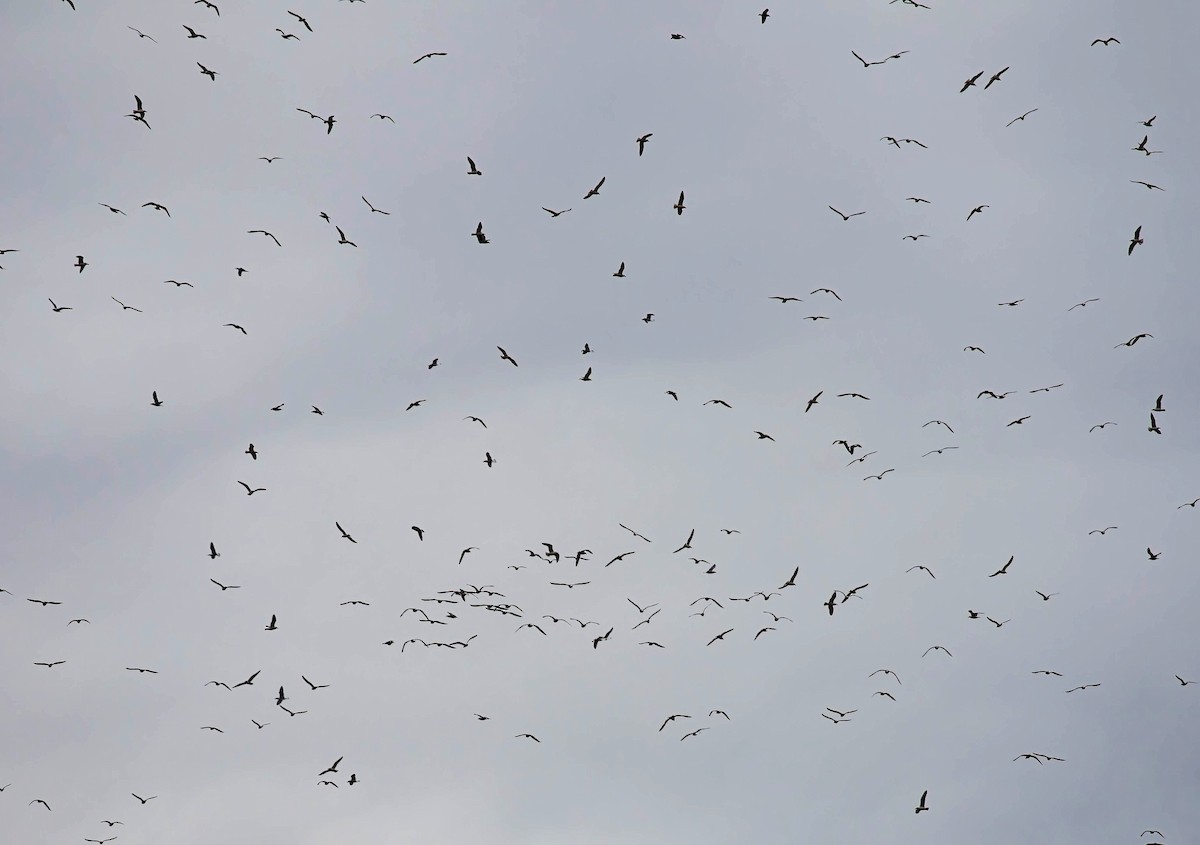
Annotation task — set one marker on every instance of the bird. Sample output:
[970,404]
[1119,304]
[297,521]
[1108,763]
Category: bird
[80,263]
[212,551]
[428,56]
[786,299]
[476,419]
[342,531]
[586,349]
[1153,555]
[332,768]
[921,805]
[79,621]
[384,117]
[720,636]
[140,33]
[596,190]
[971,81]
[211,728]
[554,213]
[1105,42]
[1133,340]
[234,326]
[39,801]
[113,209]
[880,476]
[192,33]
[211,74]
[764,14]
[474,171]
[419,531]
[641,142]
[1134,181]
[1082,687]
[154,400]
[995,78]
[1154,429]
[996,623]
[1021,117]
[50,665]
[1102,530]
[762,436]
[693,733]
[845,216]
[1135,240]
[939,422]
[671,719]
[141,671]
[488,459]
[687,544]
[679,206]
[925,569]
[415,404]
[1045,596]
[207,3]
[342,235]
[938,451]
[263,232]
[620,274]
[248,682]
[504,356]
[1190,504]
[675,36]
[44,602]
[587,376]
[143,800]
[913,237]
[225,587]
[374,210]
[977,210]
[302,20]
[937,648]
[1004,569]
[479,235]
[1046,672]
[286,35]
[813,401]
[1182,682]
[271,626]
[251,491]
[1083,304]
[831,602]
[1017,421]
[649,318]
[1013,304]
[178,284]
[884,694]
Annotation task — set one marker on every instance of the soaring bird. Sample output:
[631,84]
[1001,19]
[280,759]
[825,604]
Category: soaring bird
[474,171]
[845,216]
[479,235]
[1004,569]
[812,401]
[192,33]
[679,206]
[977,210]
[971,81]
[1105,42]
[922,806]
[251,491]
[342,531]
[596,190]
[641,142]
[1021,117]
[504,356]
[428,56]
[1135,240]
[995,78]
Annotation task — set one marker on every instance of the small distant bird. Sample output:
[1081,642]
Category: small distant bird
[693,733]
[315,410]
[1022,117]
[829,291]
[286,35]
[262,232]
[845,216]
[1158,405]
[211,74]
[234,326]
[154,400]
[1017,421]
[479,235]
[384,117]
[937,648]
[1004,569]
[1014,303]
[1105,41]
[51,665]
[1083,304]
[271,626]
[1154,428]
[764,14]
[921,806]
[1102,531]
[786,299]
[1153,555]
[528,736]
[641,142]
[1147,184]
[1045,596]
[504,356]
[587,376]
[1133,340]
[880,476]
[342,531]
[675,36]
[620,274]
[106,205]
[925,569]
[428,56]
[80,263]
[762,436]
[415,404]
[420,532]
[375,210]
[971,81]
[302,20]
[1182,682]
[39,801]
[140,33]
[812,401]
[1190,504]
[679,206]
[649,318]
[488,459]
[995,78]
[192,33]
[474,171]
[225,587]
[977,210]
[596,190]
[342,235]
[212,551]
[143,800]
[554,213]
[1135,240]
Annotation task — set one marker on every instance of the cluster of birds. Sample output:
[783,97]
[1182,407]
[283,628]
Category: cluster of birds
[456,614]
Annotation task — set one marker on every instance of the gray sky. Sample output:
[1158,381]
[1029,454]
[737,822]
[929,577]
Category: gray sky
[112,502]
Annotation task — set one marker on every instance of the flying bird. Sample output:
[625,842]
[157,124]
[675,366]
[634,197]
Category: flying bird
[679,206]
[596,190]
[1021,117]
[1004,569]
[971,81]
[479,235]
[428,56]
[1105,41]
[977,210]
[641,142]
[995,78]
[1135,240]
[921,805]
[845,216]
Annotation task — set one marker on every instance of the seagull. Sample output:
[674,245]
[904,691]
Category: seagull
[211,728]
[207,3]
[44,602]
[1182,682]
[1102,531]
[192,33]
[762,436]
[419,531]
[141,671]
[1154,428]
[211,74]
[286,35]
[620,274]
[504,356]
[671,719]
[302,20]
[263,232]
[880,476]
[1045,596]
[1153,555]
[315,410]
[1022,117]
[845,216]
[587,376]
[1134,181]
[1106,42]
[474,171]
[977,210]
[234,326]
[554,213]
[925,569]
[939,422]
[1017,421]
[345,536]
[1135,240]
[225,587]
[1046,672]
[374,209]
[813,401]
[50,665]
[641,142]
[693,733]
[212,551]
[786,299]
[938,451]
[675,36]
[922,806]
[488,459]
[428,56]
[476,419]
[1013,304]
[995,78]
[1084,686]
[937,648]
[971,81]
[1083,304]
[143,800]
[342,235]
[39,801]
[479,235]
[720,636]
[271,626]
[384,117]
[596,190]
[1190,504]
[80,263]
[1133,340]
[140,33]
[1004,569]
[106,205]
[679,206]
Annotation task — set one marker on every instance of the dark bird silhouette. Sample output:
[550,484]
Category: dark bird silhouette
[1082,687]
[263,232]
[51,665]
[428,56]
[479,235]
[1004,569]
[39,801]
[225,587]
[921,806]
[1154,429]
[106,205]
[212,551]
[302,20]
[143,800]
[1021,117]
[813,401]
[845,216]
[786,299]
[476,419]
[141,671]
[504,356]
[924,568]
[420,532]
[995,78]
[596,190]
[693,733]
[937,648]
[342,531]
[1133,340]
[44,602]
[641,142]
[1045,596]
[620,274]
[140,33]
[1153,555]
[1083,304]
[977,210]
[679,206]
[554,213]
[687,544]
[719,636]
[287,35]
[251,491]
[249,682]
[880,476]
[587,376]
[762,436]
[342,235]
[192,33]
[971,81]
[829,291]
[1147,184]
[1017,421]
[1135,240]
[1105,41]
[374,210]
[154,400]
[1102,530]
[211,74]
[271,626]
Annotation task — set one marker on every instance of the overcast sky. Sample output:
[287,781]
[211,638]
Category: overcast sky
[111,502]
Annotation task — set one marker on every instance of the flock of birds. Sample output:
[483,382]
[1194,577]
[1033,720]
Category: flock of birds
[446,618]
